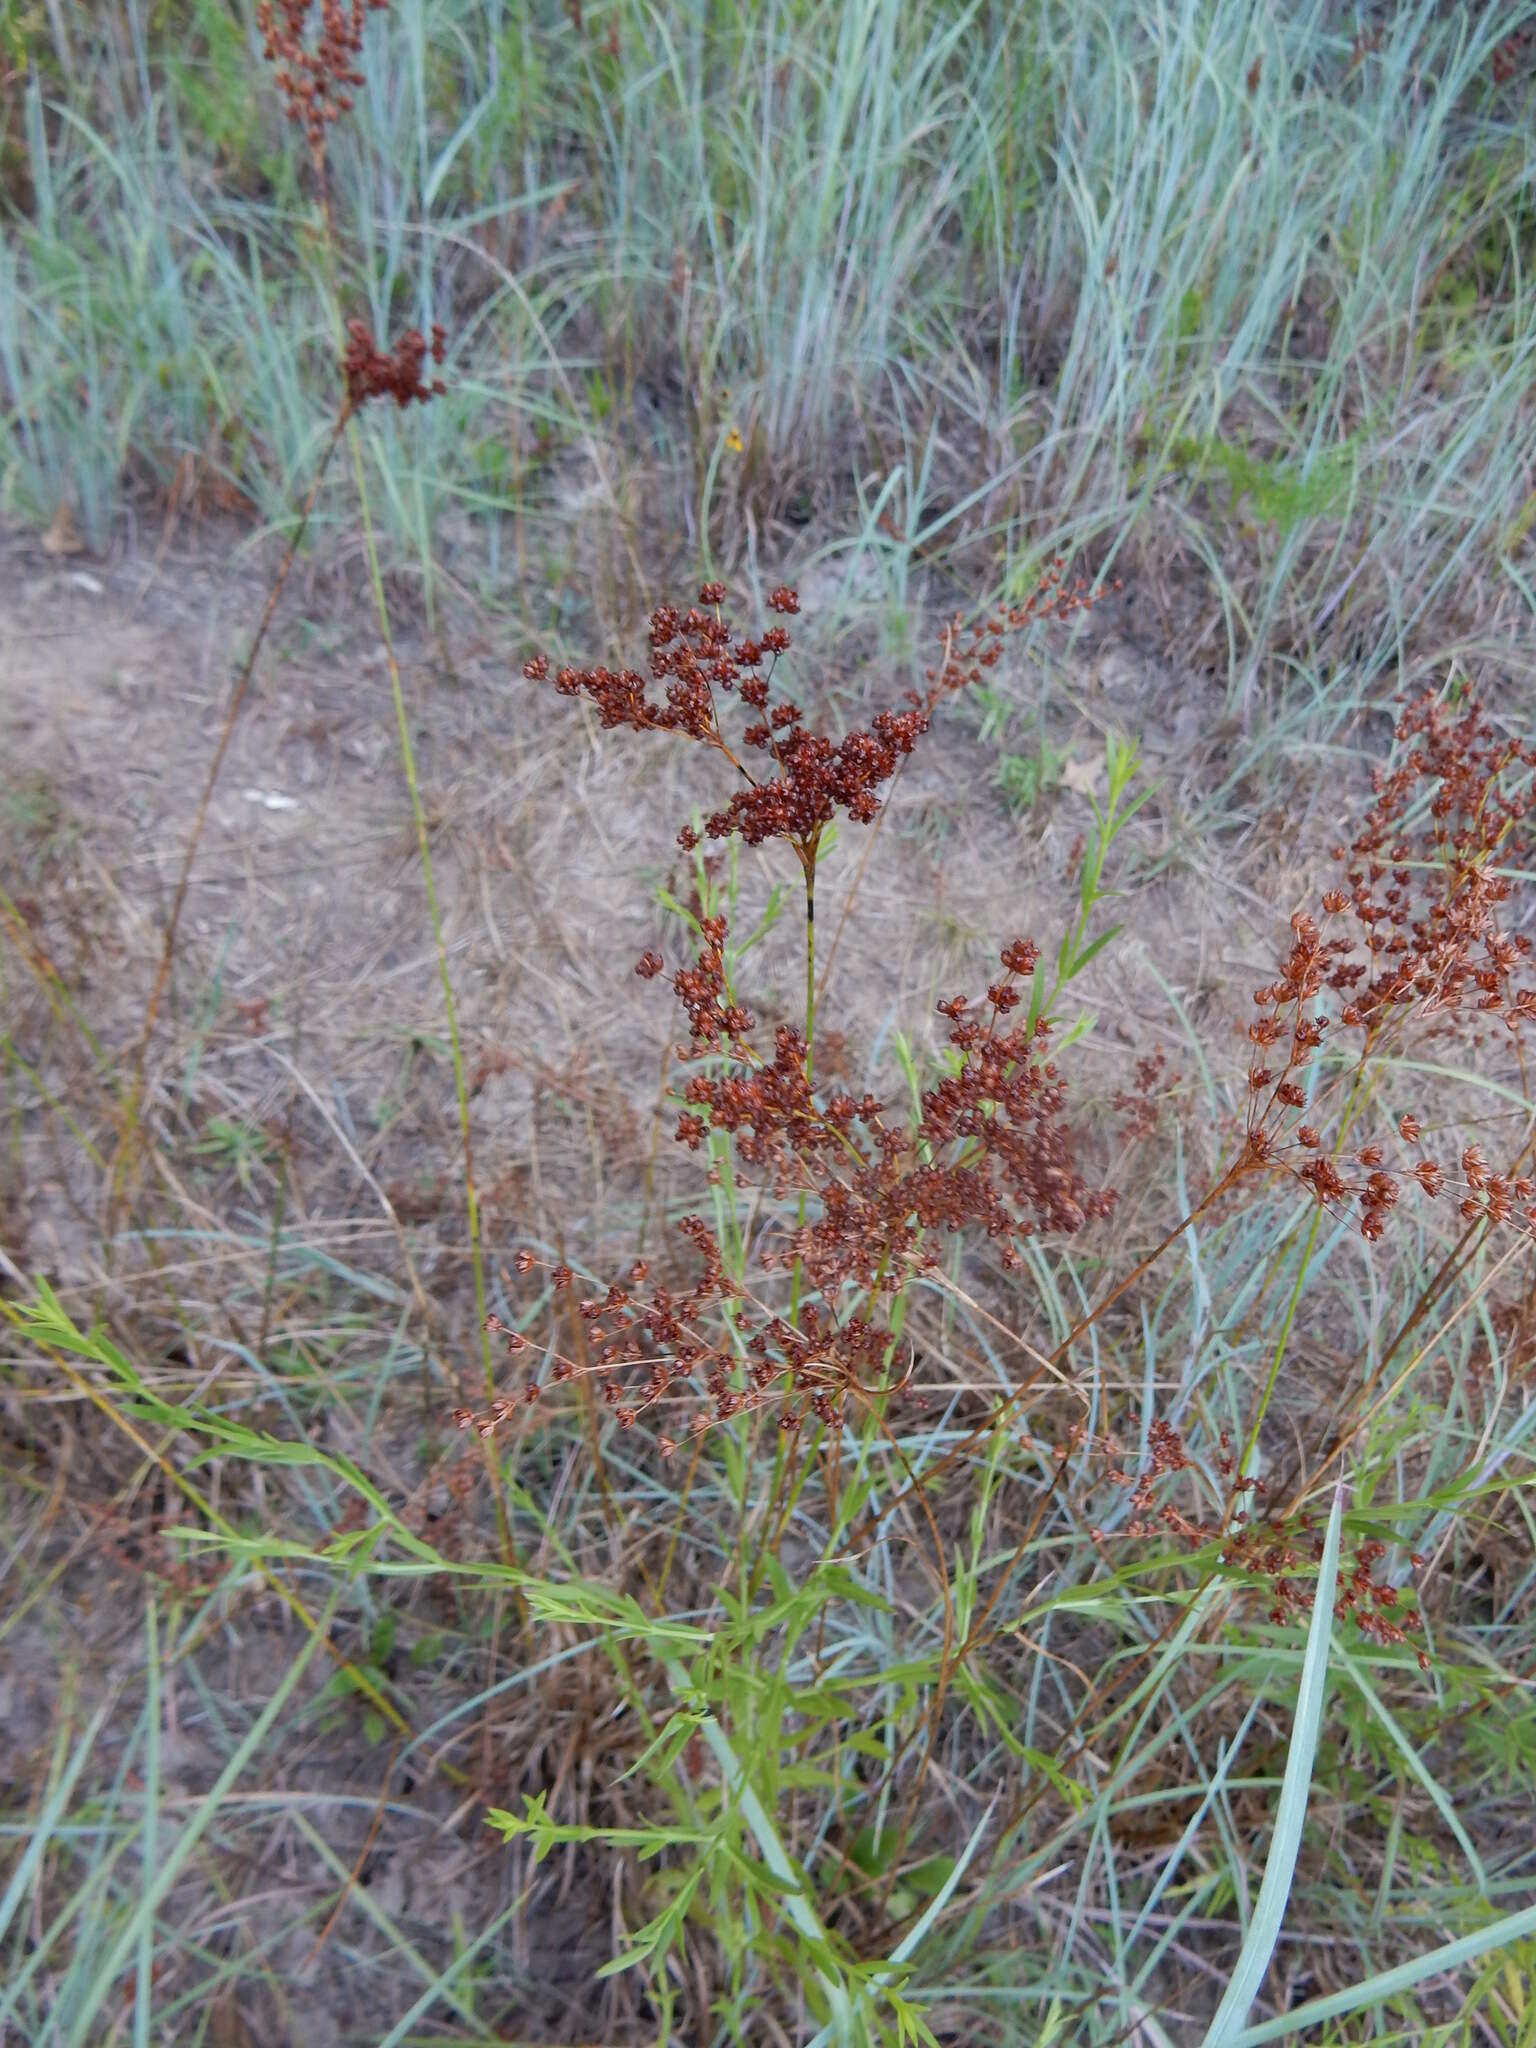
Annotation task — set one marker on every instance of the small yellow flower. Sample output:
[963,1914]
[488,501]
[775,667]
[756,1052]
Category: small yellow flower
[733,441]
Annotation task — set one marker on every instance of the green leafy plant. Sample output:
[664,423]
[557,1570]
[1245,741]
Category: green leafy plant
[1276,493]
[211,73]
[1025,778]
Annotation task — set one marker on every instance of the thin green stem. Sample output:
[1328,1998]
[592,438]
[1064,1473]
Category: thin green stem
[810,963]
[808,865]
[782,1449]
[418,815]
[1281,1343]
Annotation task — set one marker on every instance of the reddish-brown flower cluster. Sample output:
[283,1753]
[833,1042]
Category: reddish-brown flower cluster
[372,374]
[1416,933]
[987,1150]
[1141,1107]
[314,73]
[651,1351]
[700,659]
[1264,1552]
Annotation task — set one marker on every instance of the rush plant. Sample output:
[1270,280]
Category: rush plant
[790,1302]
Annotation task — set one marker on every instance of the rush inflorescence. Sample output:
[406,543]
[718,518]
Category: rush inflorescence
[988,1150]
[804,778]
[370,373]
[1264,1554]
[1415,934]
[315,68]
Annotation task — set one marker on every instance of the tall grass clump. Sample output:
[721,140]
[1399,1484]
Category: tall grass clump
[1242,294]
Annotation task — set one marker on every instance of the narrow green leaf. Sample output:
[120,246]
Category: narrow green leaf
[1387,1984]
[1291,1815]
[1097,947]
[170,1866]
[42,1830]
[912,1940]
[1418,1767]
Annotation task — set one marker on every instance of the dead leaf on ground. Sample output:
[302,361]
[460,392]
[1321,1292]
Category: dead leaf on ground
[1083,776]
[226,2027]
[61,537]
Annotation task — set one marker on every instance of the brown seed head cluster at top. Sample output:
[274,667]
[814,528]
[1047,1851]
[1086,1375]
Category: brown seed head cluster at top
[1141,1107]
[372,374]
[1416,932]
[315,71]
[805,777]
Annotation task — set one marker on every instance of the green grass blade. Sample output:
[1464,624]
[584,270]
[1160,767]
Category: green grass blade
[1418,1767]
[52,1814]
[1439,1962]
[1291,1816]
[111,1967]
